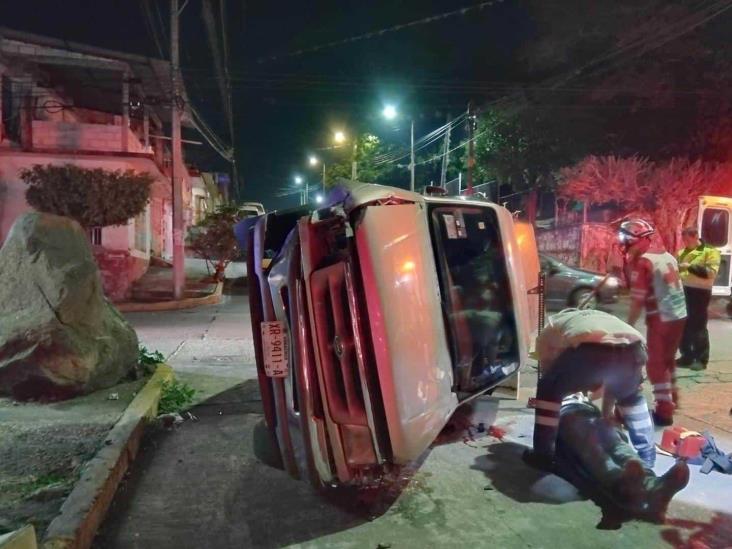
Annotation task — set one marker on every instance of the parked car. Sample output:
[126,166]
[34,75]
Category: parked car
[375,317]
[568,286]
[251,209]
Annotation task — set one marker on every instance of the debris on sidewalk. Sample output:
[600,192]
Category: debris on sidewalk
[170,421]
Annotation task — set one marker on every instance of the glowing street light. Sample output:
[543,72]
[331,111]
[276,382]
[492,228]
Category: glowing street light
[319,198]
[339,137]
[298,180]
[389,112]
[313,160]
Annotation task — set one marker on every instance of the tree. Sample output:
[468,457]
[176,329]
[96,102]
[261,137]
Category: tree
[370,155]
[93,197]
[523,146]
[213,238]
[665,192]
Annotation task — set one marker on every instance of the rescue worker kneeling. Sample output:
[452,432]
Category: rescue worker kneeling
[585,350]
[593,451]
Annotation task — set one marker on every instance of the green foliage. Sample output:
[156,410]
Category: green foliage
[149,358]
[175,397]
[43,481]
[213,238]
[525,145]
[369,149]
[93,197]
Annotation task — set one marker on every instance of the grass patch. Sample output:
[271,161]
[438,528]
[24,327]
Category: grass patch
[146,357]
[43,481]
[175,397]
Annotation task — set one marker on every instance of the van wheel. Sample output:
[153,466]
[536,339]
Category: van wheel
[580,295]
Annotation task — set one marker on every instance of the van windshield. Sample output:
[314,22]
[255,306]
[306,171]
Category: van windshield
[715,226]
[476,294]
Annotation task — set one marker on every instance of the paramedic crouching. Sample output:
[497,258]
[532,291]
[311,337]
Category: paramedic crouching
[585,350]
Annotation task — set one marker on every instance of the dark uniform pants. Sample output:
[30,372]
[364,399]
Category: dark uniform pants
[617,368]
[695,341]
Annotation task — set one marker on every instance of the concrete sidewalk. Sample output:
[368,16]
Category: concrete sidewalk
[203,486]
[209,347]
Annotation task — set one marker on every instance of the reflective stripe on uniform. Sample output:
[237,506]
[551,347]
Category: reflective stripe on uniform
[644,423]
[664,397]
[666,386]
[633,410]
[547,405]
[547,421]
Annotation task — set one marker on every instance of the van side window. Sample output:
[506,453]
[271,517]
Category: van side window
[715,227]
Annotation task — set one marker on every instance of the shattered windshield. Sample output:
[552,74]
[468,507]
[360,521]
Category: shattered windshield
[476,294]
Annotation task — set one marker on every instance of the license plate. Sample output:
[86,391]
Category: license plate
[275,348]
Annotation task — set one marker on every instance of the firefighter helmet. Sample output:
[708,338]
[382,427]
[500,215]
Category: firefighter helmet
[633,230]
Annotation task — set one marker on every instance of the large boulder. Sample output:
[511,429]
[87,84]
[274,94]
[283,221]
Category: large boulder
[59,336]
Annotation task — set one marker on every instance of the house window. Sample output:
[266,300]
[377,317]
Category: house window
[95,236]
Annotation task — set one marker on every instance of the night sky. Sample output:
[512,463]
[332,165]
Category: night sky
[286,107]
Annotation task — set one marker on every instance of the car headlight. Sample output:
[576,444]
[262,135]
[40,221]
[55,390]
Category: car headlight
[612,282]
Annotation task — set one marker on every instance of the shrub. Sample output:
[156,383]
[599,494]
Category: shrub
[213,239]
[175,397]
[93,197]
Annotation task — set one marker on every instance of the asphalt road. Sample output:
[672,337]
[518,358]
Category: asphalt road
[203,484]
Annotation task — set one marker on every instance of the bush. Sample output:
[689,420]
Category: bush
[175,397]
[93,197]
[213,239]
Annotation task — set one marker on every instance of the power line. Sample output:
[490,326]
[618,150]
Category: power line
[381,32]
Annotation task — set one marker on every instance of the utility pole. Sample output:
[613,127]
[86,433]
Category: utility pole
[445,155]
[411,157]
[323,189]
[354,164]
[471,147]
[179,275]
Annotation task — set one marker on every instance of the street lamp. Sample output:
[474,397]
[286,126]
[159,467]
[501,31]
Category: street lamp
[319,198]
[339,137]
[390,113]
[313,160]
[303,196]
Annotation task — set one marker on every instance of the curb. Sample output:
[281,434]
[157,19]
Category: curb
[25,538]
[173,305]
[86,506]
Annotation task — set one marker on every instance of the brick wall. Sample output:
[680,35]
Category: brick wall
[73,136]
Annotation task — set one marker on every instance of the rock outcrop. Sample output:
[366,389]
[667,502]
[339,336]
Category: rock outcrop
[59,336]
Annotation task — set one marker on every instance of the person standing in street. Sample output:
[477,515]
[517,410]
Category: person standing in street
[698,266]
[585,350]
[655,285]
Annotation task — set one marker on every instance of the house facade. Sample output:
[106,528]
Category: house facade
[71,103]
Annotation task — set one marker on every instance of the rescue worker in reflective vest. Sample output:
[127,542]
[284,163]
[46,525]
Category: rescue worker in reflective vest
[584,350]
[655,285]
[698,267]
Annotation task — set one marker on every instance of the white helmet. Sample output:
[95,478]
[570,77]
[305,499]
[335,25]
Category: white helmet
[633,230]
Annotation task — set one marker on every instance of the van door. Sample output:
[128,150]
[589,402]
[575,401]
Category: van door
[715,229]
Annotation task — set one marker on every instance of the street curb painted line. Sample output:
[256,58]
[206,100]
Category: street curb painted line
[25,538]
[187,303]
[84,509]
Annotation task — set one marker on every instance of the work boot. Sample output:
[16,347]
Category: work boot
[539,461]
[665,488]
[662,420]
[628,491]
[697,366]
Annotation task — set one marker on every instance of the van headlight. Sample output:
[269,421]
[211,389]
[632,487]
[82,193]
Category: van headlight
[612,282]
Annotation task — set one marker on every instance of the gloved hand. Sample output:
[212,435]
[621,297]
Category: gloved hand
[699,270]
